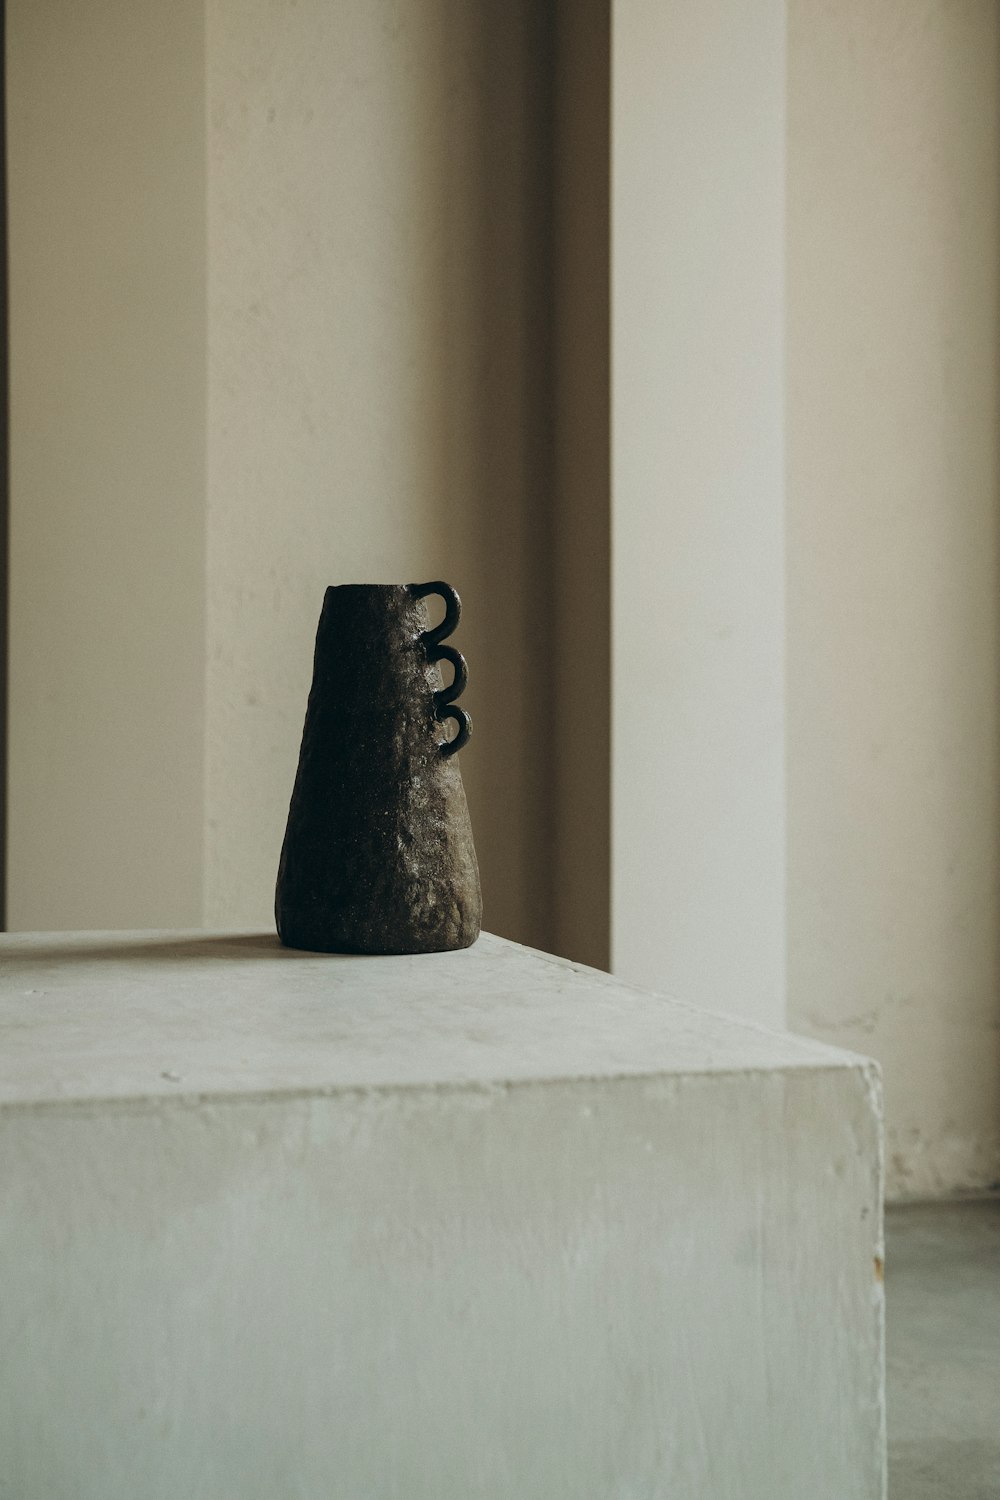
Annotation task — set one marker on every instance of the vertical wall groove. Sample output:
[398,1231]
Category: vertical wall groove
[580,538]
[4,471]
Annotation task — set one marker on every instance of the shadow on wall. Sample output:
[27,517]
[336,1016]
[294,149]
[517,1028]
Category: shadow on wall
[522,457]
[495,457]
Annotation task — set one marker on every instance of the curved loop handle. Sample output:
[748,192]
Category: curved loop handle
[431,640]
[459,682]
[452,609]
[464,722]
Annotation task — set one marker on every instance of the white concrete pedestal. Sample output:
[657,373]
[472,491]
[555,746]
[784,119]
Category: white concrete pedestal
[480,1224]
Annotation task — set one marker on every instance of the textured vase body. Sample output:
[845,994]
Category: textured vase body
[378,854]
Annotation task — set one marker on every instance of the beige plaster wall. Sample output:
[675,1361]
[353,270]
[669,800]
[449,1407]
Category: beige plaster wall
[374,233]
[107,354]
[378,399]
[894,564]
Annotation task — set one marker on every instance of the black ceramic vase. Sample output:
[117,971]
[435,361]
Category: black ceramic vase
[378,854]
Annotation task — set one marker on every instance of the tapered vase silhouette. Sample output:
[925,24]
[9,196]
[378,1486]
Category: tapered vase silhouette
[378,855]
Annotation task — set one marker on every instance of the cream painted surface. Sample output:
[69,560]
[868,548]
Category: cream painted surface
[106,148]
[697,524]
[475,1225]
[378,394]
[894,564]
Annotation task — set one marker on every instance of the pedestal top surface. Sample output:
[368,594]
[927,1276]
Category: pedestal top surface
[119,1015]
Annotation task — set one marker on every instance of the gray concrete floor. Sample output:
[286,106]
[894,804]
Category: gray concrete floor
[943,1350]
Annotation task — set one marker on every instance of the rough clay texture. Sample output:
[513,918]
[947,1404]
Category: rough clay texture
[378,854]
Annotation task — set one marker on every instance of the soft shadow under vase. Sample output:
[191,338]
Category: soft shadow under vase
[378,854]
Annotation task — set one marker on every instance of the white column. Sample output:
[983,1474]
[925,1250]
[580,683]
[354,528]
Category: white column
[697,227]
